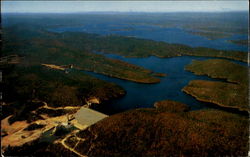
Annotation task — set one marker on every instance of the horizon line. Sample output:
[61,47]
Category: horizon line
[222,11]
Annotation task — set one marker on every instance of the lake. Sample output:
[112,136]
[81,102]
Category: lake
[157,33]
[144,95]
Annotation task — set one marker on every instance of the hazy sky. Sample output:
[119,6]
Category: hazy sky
[123,6]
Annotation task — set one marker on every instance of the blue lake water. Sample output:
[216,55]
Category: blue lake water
[157,33]
[144,95]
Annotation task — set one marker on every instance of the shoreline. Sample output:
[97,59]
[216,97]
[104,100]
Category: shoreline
[216,103]
[152,81]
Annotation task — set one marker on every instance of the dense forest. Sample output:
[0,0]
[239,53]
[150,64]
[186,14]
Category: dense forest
[44,78]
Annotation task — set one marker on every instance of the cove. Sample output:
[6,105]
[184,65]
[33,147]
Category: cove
[144,95]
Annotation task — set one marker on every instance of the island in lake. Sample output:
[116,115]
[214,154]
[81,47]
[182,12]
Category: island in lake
[124,83]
